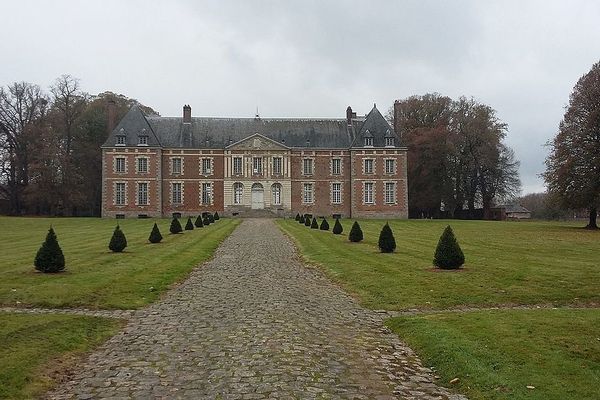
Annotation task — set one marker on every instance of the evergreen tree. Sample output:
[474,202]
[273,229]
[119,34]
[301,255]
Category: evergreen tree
[49,257]
[387,242]
[297,217]
[189,226]
[314,224]
[324,225]
[175,226]
[118,242]
[337,227]
[155,236]
[198,222]
[307,220]
[210,218]
[356,234]
[216,216]
[448,254]
[301,220]
[206,220]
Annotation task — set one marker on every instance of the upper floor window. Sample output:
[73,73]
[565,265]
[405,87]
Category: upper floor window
[368,193]
[277,162]
[120,165]
[142,165]
[368,142]
[369,165]
[390,166]
[257,165]
[176,165]
[336,166]
[237,165]
[142,140]
[176,193]
[389,142]
[206,166]
[120,140]
[307,166]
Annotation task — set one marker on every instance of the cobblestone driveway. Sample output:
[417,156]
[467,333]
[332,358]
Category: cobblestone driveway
[254,323]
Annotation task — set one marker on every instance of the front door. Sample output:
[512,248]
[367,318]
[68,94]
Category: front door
[258,197]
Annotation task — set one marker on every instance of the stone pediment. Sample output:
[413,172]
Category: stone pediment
[257,142]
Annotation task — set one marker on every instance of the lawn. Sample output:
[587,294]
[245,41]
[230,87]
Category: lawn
[506,263]
[94,276]
[36,349]
[497,354]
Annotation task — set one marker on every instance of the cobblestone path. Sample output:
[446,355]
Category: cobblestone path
[254,323]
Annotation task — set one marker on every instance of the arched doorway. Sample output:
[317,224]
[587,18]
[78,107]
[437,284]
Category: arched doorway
[258,197]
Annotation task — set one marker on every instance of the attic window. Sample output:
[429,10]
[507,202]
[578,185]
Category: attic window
[142,140]
[368,142]
[120,140]
[389,142]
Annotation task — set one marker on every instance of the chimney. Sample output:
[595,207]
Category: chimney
[396,117]
[111,112]
[349,115]
[187,114]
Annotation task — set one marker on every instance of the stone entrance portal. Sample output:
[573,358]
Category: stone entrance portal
[258,197]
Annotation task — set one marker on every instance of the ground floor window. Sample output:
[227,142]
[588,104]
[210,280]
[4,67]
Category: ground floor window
[276,193]
[390,192]
[238,192]
[308,193]
[368,192]
[120,194]
[176,193]
[336,193]
[206,193]
[142,193]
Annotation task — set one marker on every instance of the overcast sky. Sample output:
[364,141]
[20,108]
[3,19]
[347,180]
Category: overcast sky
[314,58]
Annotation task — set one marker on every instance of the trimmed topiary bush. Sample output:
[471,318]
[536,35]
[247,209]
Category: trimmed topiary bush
[337,227]
[175,226]
[50,258]
[155,236]
[314,224]
[356,234]
[448,254]
[199,223]
[324,225]
[189,226]
[307,221]
[387,242]
[297,217]
[118,242]
[216,216]
[301,220]
[210,217]
[206,220]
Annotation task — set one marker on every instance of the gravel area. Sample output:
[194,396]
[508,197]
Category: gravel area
[254,323]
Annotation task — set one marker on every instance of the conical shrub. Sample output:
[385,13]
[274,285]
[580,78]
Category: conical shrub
[175,226]
[356,234]
[337,227]
[324,225]
[189,226]
[155,236]
[118,242]
[216,216]
[314,224]
[448,254]
[387,242]
[49,258]
[301,220]
[206,220]
[307,221]
[198,222]
[297,217]
[210,218]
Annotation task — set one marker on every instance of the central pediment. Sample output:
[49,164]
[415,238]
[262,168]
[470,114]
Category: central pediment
[257,142]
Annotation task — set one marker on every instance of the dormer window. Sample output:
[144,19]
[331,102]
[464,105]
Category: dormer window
[142,140]
[389,142]
[120,140]
[368,142]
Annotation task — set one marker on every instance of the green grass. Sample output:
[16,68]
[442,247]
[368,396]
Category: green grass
[94,276]
[38,348]
[506,263]
[497,354]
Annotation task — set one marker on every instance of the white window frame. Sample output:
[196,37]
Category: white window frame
[238,192]
[389,196]
[308,166]
[308,193]
[173,193]
[276,190]
[120,197]
[173,162]
[143,140]
[117,170]
[241,166]
[336,170]
[278,162]
[368,192]
[371,162]
[206,166]
[139,170]
[368,142]
[336,194]
[140,194]
[121,140]
[389,171]
[257,167]
[389,141]
[206,193]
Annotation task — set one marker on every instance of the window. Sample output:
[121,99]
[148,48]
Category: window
[237,165]
[336,166]
[206,193]
[206,166]
[307,166]
[307,193]
[142,165]
[276,192]
[336,193]
[238,192]
[368,193]
[389,141]
[120,193]
[368,165]
[176,164]
[257,165]
[390,192]
[120,140]
[277,161]
[390,166]
[120,165]
[176,193]
[142,193]
[368,142]
[142,140]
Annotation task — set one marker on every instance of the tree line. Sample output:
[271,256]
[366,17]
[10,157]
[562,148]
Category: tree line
[458,163]
[50,157]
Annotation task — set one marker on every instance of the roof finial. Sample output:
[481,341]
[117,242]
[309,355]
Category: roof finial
[257,116]
[374,105]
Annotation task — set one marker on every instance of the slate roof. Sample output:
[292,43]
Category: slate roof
[218,133]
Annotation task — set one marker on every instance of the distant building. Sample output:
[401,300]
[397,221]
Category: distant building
[510,211]
[159,166]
